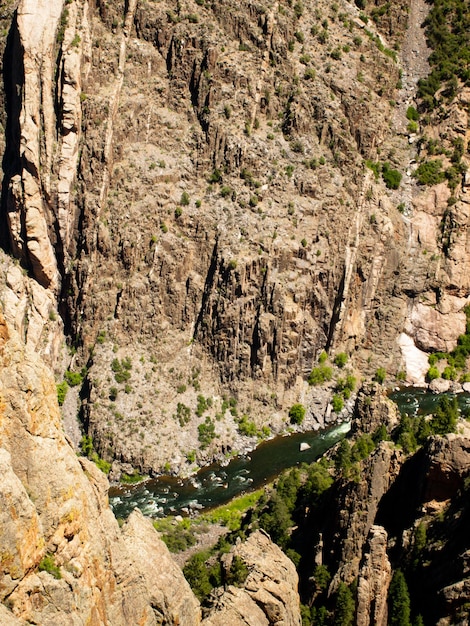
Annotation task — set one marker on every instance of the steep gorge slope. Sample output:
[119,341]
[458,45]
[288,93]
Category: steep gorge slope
[189,182]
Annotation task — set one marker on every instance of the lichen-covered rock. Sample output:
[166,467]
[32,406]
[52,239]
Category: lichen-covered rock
[169,594]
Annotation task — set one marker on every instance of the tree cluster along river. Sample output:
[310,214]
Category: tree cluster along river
[216,484]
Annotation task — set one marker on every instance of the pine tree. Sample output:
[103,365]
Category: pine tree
[345,605]
[398,601]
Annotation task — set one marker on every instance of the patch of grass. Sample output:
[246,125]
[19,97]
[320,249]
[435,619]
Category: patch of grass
[231,514]
[47,564]
[131,479]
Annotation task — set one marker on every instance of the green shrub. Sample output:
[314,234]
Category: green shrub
[177,536]
[412,114]
[238,572]
[362,447]
[344,606]
[375,167]
[297,413]
[346,386]
[206,432]
[197,574]
[247,427]
[341,359]
[337,403]
[380,434]
[226,191]
[191,456]
[380,375]
[47,564]
[432,374]
[202,406]
[343,456]
[445,417]
[310,74]
[323,357]
[101,464]
[183,414]
[430,172]
[121,369]
[320,374]
[62,389]
[398,601]
[449,373]
[73,378]
[391,177]
[216,176]
[86,445]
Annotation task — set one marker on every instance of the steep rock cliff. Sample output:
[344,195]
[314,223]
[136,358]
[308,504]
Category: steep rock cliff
[64,559]
[189,182]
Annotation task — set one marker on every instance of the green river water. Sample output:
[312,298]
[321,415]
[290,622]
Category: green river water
[216,484]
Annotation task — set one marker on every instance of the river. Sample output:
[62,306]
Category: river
[215,485]
[419,401]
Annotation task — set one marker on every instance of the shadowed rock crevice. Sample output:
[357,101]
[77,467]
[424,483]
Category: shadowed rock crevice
[13,83]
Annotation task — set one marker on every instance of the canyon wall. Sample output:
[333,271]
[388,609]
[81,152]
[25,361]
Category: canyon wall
[188,184]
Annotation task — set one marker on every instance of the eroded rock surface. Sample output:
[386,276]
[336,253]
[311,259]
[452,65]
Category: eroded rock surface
[191,184]
[64,559]
[269,594]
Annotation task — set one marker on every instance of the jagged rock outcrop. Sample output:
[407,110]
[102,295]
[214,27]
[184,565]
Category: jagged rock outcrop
[63,557]
[29,211]
[269,594]
[373,581]
[169,594]
[373,409]
[356,506]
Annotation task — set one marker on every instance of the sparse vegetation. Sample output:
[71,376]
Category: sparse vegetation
[430,172]
[206,432]
[62,389]
[48,564]
[320,374]
[297,413]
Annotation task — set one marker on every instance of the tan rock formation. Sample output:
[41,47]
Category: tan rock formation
[269,594]
[169,594]
[29,210]
[63,557]
[373,581]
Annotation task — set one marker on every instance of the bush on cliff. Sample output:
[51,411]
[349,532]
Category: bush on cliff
[297,413]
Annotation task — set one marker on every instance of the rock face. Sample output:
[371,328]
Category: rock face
[64,559]
[188,185]
[357,503]
[269,594]
[373,581]
[401,513]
